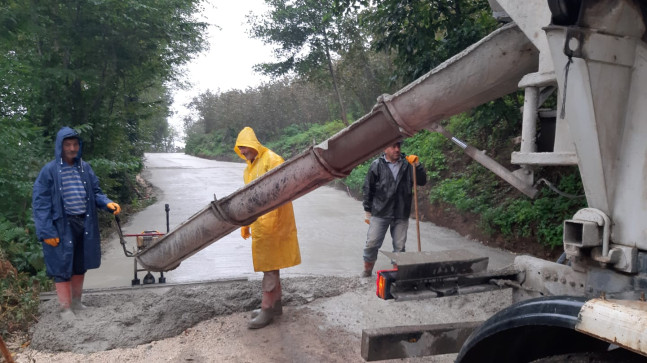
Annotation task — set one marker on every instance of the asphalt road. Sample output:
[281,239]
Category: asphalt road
[330,225]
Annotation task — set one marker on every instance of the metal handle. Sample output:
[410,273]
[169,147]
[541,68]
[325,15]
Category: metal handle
[121,238]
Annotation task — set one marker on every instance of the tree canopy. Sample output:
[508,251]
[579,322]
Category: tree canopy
[309,36]
[102,65]
[421,33]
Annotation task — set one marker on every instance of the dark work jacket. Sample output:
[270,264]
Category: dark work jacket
[388,198]
[50,218]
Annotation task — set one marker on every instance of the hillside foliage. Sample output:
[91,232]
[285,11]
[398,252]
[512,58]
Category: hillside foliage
[104,68]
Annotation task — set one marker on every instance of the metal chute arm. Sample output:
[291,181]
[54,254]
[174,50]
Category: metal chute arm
[487,70]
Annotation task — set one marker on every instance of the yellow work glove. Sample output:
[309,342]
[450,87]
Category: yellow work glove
[114,207]
[52,241]
[245,233]
[367,218]
[413,160]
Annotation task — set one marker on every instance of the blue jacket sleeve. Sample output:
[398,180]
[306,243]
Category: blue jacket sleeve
[42,206]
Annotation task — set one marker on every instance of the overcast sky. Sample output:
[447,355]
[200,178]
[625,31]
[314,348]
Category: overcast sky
[232,54]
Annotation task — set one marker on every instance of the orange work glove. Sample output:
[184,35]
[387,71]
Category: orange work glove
[245,232]
[413,159]
[367,218]
[114,207]
[52,241]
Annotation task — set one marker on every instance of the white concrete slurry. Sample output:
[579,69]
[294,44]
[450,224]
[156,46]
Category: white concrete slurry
[330,225]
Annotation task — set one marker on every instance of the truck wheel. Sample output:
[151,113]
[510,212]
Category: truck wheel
[531,330]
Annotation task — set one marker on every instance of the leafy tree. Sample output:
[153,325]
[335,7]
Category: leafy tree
[309,36]
[100,66]
[422,33]
[92,63]
[365,75]
[21,158]
[267,109]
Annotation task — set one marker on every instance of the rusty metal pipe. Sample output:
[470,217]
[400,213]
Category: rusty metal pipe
[491,164]
[487,70]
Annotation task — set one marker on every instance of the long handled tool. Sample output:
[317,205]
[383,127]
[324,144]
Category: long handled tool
[415,203]
[121,238]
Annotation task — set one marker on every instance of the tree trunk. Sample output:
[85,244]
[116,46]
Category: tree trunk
[334,82]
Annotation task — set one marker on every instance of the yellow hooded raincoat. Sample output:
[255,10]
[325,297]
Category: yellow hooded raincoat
[274,235]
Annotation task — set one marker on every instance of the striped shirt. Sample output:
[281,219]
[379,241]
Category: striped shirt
[73,190]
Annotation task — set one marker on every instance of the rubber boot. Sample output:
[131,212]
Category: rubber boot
[63,291]
[277,310]
[77,292]
[266,315]
[274,299]
[263,319]
[368,269]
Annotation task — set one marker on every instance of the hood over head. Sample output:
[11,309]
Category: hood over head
[247,138]
[65,133]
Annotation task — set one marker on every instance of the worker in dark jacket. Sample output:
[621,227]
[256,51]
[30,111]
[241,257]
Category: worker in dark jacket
[65,199]
[387,200]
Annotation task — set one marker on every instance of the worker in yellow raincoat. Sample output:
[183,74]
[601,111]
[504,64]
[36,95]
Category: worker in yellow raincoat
[274,235]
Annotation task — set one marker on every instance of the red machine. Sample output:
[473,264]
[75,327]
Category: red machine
[144,240]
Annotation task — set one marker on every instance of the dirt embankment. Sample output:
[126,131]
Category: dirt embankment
[468,225]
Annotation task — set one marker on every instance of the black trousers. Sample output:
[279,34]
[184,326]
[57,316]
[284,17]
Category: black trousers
[77,226]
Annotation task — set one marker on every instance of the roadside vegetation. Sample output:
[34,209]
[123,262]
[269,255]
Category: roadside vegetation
[107,69]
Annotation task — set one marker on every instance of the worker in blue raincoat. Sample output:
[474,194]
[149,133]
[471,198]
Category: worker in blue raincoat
[65,200]
[274,234]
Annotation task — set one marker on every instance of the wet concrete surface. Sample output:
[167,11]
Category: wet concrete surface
[330,225]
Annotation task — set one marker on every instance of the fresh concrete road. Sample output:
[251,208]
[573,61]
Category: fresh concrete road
[330,225]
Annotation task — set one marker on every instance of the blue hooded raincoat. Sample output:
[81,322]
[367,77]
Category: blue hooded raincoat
[50,217]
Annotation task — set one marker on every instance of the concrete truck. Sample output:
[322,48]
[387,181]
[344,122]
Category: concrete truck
[593,54]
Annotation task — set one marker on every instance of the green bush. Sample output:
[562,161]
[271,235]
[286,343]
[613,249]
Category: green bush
[20,247]
[293,142]
[355,180]
[512,214]
[19,300]
[217,144]
[117,178]
[430,147]
[19,292]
